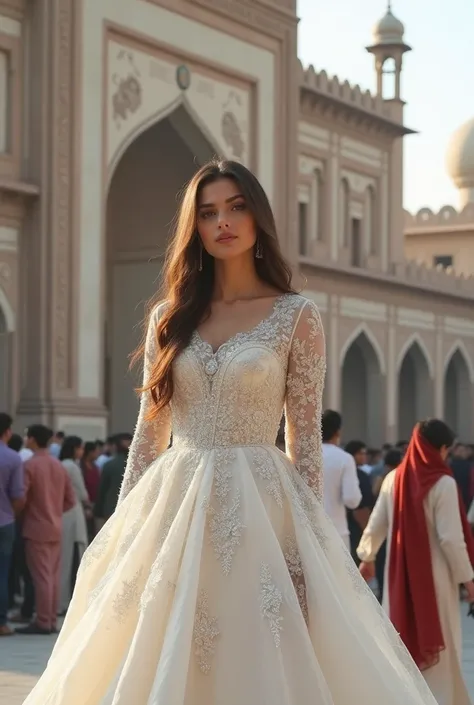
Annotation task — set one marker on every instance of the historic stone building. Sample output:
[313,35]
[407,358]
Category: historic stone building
[106,109]
[446,239]
[444,242]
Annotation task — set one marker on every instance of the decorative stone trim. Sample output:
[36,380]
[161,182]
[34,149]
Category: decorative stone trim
[61,190]
[272,17]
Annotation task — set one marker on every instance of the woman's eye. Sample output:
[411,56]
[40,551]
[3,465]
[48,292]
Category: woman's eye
[239,206]
[206,214]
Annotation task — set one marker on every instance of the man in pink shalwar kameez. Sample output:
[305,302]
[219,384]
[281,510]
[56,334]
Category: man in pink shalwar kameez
[49,493]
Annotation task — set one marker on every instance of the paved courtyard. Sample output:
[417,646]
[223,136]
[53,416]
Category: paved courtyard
[22,660]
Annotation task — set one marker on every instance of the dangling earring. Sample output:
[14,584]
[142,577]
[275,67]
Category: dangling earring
[259,250]
[200,256]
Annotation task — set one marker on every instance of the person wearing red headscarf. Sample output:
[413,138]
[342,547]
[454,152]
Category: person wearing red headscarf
[430,554]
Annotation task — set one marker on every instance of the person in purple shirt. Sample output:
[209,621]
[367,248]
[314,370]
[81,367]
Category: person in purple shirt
[11,502]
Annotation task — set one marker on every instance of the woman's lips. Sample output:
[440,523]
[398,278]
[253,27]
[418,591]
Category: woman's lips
[226,238]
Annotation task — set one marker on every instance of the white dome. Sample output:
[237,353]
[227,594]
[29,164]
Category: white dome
[460,156]
[388,30]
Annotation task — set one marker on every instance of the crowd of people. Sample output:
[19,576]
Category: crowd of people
[55,494]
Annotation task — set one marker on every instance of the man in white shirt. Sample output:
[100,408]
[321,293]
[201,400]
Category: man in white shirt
[108,450]
[341,485]
[56,444]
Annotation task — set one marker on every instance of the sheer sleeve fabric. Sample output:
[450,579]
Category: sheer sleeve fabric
[151,438]
[304,392]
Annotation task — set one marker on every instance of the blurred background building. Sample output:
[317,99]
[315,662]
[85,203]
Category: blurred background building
[107,107]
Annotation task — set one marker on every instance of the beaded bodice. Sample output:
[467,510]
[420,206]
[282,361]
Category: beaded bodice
[235,396]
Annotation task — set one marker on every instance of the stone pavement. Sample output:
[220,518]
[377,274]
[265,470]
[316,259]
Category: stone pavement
[22,659]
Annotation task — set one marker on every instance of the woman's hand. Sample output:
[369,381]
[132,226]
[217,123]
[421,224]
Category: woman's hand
[469,588]
[367,570]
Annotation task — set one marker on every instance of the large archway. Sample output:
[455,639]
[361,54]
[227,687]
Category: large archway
[141,205]
[362,402]
[415,390]
[458,398]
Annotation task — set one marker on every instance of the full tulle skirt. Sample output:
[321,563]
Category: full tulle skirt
[220,581]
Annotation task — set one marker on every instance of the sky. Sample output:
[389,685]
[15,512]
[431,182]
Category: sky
[437,78]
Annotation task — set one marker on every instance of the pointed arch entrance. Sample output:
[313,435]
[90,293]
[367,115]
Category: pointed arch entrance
[458,396]
[415,389]
[142,201]
[362,402]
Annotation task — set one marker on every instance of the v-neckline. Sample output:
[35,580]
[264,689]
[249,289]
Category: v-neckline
[237,335]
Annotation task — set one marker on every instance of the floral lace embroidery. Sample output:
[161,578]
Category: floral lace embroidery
[226,531]
[275,353]
[225,524]
[358,583]
[295,568]
[175,503]
[222,473]
[154,580]
[270,603]
[97,548]
[178,495]
[263,332]
[99,587]
[151,438]
[248,372]
[265,468]
[305,383]
[308,508]
[206,630]
[127,597]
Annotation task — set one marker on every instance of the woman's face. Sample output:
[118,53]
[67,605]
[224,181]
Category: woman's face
[79,452]
[225,225]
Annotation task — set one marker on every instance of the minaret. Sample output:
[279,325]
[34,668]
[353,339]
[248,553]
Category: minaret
[388,46]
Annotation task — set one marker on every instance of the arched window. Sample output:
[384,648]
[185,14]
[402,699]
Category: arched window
[389,79]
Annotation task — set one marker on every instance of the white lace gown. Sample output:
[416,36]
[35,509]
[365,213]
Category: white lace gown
[220,580]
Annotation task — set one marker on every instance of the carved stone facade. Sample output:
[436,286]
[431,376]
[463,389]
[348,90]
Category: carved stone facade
[122,101]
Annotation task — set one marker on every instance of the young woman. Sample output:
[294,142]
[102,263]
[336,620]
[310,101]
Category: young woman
[430,553]
[219,580]
[74,534]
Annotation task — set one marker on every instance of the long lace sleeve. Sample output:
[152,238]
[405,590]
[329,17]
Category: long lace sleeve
[151,437]
[304,392]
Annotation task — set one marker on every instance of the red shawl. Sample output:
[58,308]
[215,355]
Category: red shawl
[413,605]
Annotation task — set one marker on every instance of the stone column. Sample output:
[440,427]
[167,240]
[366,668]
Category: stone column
[392,378]
[396,253]
[439,373]
[334,367]
[334,209]
[12,206]
[286,143]
[48,245]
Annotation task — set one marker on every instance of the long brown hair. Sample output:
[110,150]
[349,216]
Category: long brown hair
[187,289]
